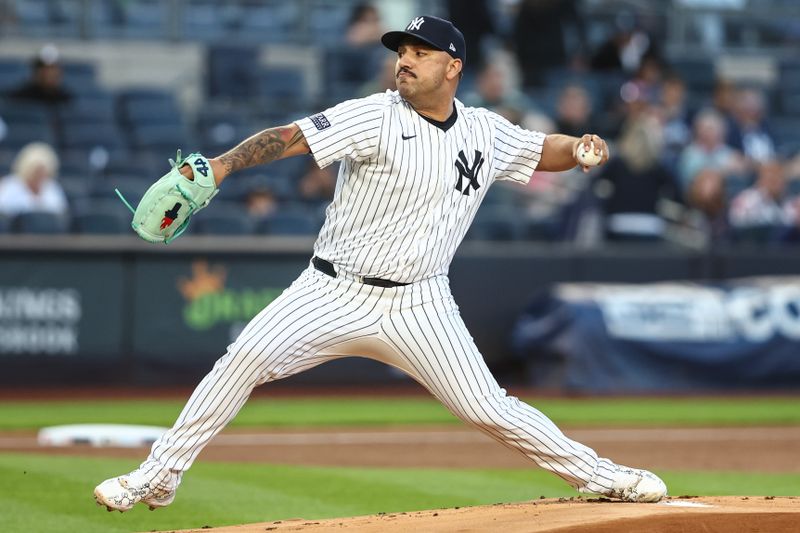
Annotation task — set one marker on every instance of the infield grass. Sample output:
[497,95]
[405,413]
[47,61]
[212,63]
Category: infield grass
[338,411]
[42,493]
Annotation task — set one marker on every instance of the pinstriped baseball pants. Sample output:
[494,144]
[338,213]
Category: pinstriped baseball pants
[416,328]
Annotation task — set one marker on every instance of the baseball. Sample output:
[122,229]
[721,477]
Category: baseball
[587,157]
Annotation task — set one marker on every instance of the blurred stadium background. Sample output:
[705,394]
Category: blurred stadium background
[699,100]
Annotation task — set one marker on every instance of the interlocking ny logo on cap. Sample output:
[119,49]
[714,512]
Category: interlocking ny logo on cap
[415,24]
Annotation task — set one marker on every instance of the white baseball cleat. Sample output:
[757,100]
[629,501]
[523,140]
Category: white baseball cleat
[630,485]
[636,485]
[151,484]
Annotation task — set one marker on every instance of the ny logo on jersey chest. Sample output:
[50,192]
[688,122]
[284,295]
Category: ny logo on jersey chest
[468,171]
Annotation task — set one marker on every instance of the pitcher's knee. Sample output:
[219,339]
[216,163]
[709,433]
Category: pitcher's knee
[248,361]
[489,411]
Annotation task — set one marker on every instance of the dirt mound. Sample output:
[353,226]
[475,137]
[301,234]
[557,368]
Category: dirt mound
[733,514]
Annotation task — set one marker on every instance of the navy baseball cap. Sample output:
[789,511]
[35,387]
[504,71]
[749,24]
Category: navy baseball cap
[439,33]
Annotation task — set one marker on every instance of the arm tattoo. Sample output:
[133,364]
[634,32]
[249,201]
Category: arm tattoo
[263,147]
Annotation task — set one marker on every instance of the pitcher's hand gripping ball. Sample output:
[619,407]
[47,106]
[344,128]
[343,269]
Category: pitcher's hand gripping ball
[166,208]
[588,157]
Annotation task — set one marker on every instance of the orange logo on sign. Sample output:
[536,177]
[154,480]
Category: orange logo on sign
[204,280]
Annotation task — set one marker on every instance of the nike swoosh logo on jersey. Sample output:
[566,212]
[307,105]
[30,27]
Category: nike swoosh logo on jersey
[408,137]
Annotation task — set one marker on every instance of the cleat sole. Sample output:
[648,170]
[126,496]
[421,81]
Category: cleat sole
[98,498]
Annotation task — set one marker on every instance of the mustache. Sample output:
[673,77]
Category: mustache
[404,69]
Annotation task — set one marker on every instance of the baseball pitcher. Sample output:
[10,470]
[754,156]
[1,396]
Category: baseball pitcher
[415,166]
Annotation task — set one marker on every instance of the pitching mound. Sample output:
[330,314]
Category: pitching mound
[734,514]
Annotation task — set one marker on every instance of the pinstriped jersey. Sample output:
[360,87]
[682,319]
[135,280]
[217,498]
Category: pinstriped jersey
[408,187]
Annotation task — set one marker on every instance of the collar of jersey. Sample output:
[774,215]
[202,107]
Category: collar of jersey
[447,123]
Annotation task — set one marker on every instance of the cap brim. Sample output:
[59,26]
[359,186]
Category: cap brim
[392,39]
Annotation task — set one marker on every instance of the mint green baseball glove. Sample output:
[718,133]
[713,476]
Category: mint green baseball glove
[166,208]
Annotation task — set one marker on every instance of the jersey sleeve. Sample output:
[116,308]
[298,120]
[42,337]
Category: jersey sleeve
[516,151]
[347,130]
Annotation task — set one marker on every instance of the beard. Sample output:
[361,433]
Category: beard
[416,88]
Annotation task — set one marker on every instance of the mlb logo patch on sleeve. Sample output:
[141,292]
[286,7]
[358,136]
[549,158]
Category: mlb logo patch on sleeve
[320,121]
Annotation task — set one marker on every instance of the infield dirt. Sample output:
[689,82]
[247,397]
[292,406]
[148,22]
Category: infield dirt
[733,449]
[735,514]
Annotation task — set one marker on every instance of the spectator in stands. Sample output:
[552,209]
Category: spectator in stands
[749,132]
[707,195]
[46,83]
[365,27]
[493,91]
[32,185]
[538,121]
[476,23]
[723,99]
[540,38]
[261,202]
[765,203]
[635,98]
[648,79]
[793,167]
[634,181]
[626,49]
[676,117]
[708,151]
[317,185]
[574,111]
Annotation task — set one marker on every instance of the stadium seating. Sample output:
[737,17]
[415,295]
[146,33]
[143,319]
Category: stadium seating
[76,188]
[347,68]
[495,224]
[85,136]
[79,77]
[95,97]
[204,20]
[327,22]
[787,134]
[101,218]
[268,21]
[34,16]
[20,134]
[282,88]
[232,72]
[13,72]
[39,223]
[138,19]
[790,101]
[296,221]
[160,138]
[26,113]
[222,221]
[132,189]
[697,72]
[86,111]
[289,168]
[219,128]
[111,137]
[543,229]
[789,74]
[148,106]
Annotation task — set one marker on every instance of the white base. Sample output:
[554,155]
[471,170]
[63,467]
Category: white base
[681,503]
[100,435]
